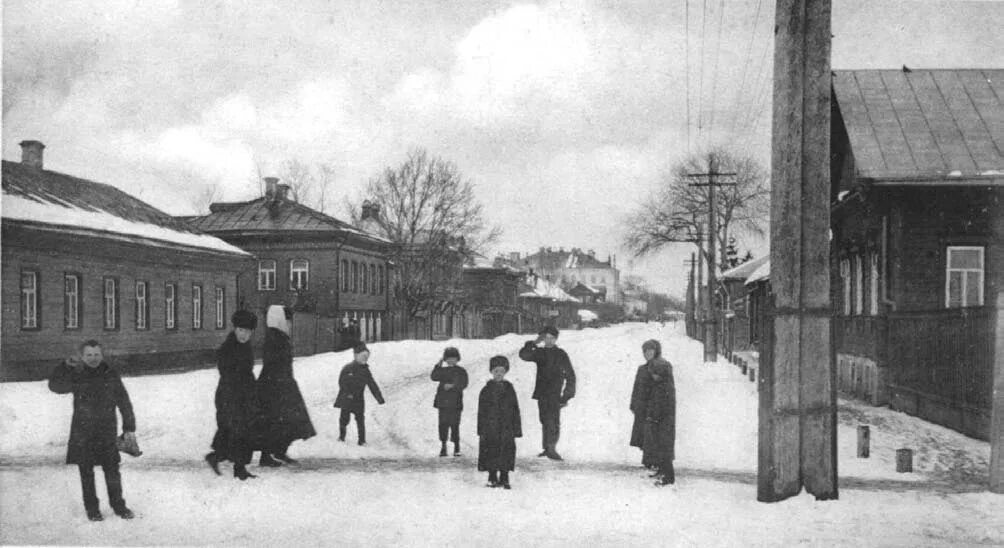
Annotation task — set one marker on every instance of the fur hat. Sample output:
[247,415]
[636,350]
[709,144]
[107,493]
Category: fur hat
[451,352]
[359,348]
[498,361]
[245,319]
[549,330]
[652,344]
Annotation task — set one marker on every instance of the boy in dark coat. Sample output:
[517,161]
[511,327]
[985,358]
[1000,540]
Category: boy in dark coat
[97,391]
[499,425]
[285,412]
[660,415]
[639,406]
[237,409]
[554,387]
[352,382]
[449,400]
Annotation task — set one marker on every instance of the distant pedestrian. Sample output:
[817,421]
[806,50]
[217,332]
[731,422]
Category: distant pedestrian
[97,391]
[352,383]
[238,420]
[640,394]
[555,386]
[449,400]
[499,425]
[286,416]
[660,415]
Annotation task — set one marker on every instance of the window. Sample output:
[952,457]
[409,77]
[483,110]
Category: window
[345,276]
[299,272]
[142,309]
[873,289]
[196,306]
[266,275]
[380,280]
[29,299]
[170,306]
[355,277]
[366,279]
[373,280]
[845,275]
[71,301]
[964,277]
[858,286]
[111,298]
[221,308]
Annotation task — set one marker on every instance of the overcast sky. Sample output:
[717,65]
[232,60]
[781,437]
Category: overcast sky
[563,114]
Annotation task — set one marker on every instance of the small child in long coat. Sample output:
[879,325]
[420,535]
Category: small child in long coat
[449,400]
[352,383]
[97,391]
[499,425]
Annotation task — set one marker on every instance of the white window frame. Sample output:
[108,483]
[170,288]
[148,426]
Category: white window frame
[71,302]
[170,306]
[845,275]
[963,289]
[29,300]
[859,284]
[142,305]
[295,270]
[221,307]
[111,305]
[268,283]
[196,306]
[873,298]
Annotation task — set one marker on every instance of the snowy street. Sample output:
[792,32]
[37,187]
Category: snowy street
[397,491]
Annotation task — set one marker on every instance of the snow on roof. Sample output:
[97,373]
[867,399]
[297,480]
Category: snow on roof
[588,315]
[546,289]
[761,273]
[744,270]
[60,213]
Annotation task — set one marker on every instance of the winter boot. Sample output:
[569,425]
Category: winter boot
[241,473]
[552,453]
[456,449]
[341,433]
[493,479]
[442,450]
[268,461]
[95,515]
[124,513]
[542,453]
[286,458]
[214,462]
[504,480]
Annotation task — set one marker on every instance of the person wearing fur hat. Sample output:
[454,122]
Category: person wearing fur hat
[97,391]
[499,425]
[449,399]
[286,416]
[554,387]
[352,383]
[237,408]
[660,414]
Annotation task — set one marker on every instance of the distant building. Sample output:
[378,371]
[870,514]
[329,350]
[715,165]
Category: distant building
[85,260]
[328,271]
[568,268]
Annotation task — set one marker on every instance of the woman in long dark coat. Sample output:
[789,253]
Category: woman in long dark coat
[660,414]
[237,409]
[639,405]
[499,425]
[285,412]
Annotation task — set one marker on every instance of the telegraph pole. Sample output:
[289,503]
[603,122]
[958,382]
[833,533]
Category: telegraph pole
[691,301]
[711,318]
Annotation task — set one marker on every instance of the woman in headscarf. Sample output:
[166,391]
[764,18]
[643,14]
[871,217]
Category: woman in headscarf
[285,412]
[660,414]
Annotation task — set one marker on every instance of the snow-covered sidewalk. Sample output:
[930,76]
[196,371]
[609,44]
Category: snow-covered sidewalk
[397,491]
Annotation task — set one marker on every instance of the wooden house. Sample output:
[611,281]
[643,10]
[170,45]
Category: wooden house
[491,296]
[84,260]
[736,317]
[918,239]
[328,271]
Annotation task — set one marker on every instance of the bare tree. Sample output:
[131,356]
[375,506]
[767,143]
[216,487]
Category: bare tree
[427,208]
[678,212]
[204,196]
[301,180]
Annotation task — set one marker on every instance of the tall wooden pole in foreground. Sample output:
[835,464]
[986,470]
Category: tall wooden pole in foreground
[997,410]
[797,384]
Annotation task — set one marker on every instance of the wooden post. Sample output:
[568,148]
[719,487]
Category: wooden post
[711,329]
[997,412]
[797,437]
[864,441]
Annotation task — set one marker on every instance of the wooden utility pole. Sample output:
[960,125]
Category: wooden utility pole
[691,300]
[711,316]
[797,415]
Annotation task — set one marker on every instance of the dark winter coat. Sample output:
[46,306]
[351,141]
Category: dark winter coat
[555,376]
[660,413]
[499,425]
[639,405]
[97,392]
[282,404]
[353,380]
[237,409]
[454,397]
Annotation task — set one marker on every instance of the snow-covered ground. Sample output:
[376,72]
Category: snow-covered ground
[397,491]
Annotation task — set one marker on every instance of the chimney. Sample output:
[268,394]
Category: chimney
[31,153]
[370,210]
[271,187]
[282,192]
[514,256]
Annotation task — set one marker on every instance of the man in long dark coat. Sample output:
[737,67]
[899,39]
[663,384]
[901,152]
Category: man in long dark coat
[639,406]
[237,409]
[554,387]
[352,383]
[97,391]
[660,415]
[285,412]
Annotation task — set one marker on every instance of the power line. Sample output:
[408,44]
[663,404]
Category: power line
[714,73]
[746,65]
[700,93]
[686,25]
